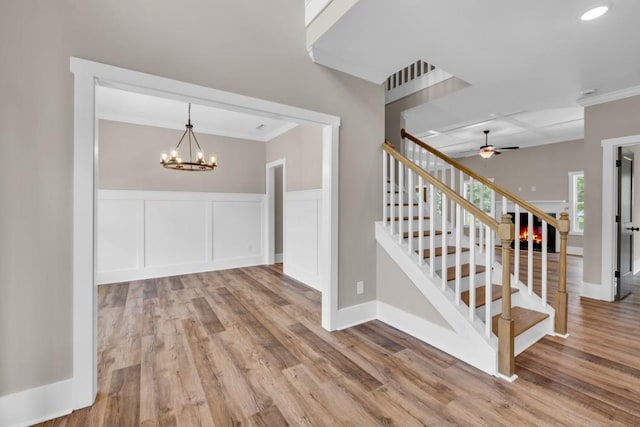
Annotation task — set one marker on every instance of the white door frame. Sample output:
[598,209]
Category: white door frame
[609,201]
[88,74]
[270,217]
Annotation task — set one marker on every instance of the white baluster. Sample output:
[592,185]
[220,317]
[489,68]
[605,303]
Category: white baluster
[420,221]
[400,201]
[504,205]
[530,254]
[443,259]
[458,252]
[488,257]
[411,196]
[472,263]
[516,244]
[544,263]
[482,229]
[432,230]
[385,188]
[392,199]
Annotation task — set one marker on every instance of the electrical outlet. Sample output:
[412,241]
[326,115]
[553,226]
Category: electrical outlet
[359,287]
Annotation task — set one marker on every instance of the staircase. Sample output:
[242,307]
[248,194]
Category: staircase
[443,225]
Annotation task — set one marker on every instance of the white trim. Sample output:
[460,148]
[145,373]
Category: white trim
[596,291]
[269,224]
[609,96]
[458,344]
[572,203]
[356,314]
[86,75]
[575,250]
[36,405]
[606,292]
[313,8]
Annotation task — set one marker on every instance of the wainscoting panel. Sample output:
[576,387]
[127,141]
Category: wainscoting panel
[174,232]
[237,229]
[146,234]
[118,235]
[301,236]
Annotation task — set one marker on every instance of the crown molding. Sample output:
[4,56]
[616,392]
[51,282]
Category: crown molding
[609,96]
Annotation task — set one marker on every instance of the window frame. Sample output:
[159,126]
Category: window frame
[573,202]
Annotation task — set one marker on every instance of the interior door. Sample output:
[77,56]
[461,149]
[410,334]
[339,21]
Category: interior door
[625,225]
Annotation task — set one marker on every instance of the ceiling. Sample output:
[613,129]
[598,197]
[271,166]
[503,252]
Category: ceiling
[130,107]
[527,63]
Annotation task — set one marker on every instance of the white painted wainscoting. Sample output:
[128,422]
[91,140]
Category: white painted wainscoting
[302,236]
[146,234]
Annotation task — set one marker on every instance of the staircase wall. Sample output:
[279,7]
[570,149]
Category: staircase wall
[395,289]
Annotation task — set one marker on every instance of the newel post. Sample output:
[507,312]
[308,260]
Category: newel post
[506,347]
[561,294]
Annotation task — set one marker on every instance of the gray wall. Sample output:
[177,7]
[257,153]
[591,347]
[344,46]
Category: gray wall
[302,147]
[243,46]
[544,167]
[129,159]
[609,120]
[397,290]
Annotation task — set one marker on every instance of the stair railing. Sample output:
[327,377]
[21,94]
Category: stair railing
[401,177]
[455,174]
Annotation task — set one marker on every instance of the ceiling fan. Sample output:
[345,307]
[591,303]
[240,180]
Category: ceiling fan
[487,150]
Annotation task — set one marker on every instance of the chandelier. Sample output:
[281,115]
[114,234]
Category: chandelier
[175,161]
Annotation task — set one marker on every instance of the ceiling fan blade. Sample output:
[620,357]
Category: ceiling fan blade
[497,152]
[509,148]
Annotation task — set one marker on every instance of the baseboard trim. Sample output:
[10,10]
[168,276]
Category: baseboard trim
[310,279]
[575,250]
[595,291]
[36,405]
[153,272]
[356,314]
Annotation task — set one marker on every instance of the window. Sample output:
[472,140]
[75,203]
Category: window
[576,201]
[473,195]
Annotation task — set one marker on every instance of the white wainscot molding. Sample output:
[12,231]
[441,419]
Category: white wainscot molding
[36,405]
[302,210]
[147,234]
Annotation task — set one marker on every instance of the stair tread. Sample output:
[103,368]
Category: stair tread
[427,233]
[406,218]
[496,294]
[465,271]
[438,251]
[523,318]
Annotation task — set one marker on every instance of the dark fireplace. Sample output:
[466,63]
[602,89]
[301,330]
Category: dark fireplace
[523,233]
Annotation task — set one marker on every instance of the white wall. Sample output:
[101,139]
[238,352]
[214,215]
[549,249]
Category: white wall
[145,234]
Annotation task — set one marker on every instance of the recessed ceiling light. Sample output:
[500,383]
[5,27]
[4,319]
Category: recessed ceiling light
[594,13]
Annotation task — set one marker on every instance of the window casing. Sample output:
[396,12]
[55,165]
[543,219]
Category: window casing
[576,202]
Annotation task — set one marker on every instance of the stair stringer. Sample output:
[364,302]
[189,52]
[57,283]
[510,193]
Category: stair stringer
[465,340]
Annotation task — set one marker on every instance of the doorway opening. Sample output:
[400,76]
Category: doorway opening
[610,287]
[276,173]
[88,75]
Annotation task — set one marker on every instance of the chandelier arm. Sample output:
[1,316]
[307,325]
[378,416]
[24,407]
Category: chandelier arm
[197,143]
[190,133]
[180,142]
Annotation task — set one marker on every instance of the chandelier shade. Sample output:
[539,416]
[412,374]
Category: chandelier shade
[195,163]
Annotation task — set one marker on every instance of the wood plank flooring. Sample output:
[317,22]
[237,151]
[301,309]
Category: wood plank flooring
[245,347]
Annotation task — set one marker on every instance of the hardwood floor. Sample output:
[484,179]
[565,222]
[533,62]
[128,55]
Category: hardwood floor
[245,347]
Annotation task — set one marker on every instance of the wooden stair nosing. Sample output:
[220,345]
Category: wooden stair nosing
[438,252]
[496,294]
[427,233]
[465,271]
[406,218]
[523,318]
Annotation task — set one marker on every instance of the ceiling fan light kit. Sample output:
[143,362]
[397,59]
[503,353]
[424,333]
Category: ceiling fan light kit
[486,151]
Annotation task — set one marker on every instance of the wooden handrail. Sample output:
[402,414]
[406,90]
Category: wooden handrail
[453,195]
[515,199]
